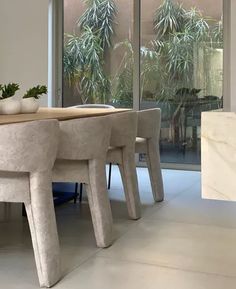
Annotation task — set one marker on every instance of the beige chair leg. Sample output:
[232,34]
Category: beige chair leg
[42,222]
[130,183]
[99,204]
[154,168]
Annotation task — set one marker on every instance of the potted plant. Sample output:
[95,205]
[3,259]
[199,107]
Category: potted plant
[30,101]
[8,103]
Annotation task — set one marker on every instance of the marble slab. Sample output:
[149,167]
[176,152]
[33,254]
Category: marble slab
[218,137]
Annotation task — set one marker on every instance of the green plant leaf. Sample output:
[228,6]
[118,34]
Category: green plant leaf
[36,91]
[9,90]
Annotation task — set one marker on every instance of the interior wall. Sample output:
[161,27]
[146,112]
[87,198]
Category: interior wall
[24,43]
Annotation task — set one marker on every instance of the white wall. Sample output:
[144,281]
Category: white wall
[24,43]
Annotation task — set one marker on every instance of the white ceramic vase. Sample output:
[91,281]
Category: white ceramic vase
[10,105]
[29,105]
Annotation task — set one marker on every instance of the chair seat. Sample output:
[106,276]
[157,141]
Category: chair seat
[140,145]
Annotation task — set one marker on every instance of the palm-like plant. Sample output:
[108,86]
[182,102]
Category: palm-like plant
[100,18]
[122,83]
[168,61]
[197,25]
[168,19]
[83,66]
[72,57]
[151,68]
[217,33]
[84,53]
[179,33]
[123,80]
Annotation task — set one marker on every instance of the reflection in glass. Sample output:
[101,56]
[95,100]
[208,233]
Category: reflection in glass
[181,63]
[181,72]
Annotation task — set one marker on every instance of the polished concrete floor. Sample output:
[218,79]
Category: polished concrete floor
[182,243]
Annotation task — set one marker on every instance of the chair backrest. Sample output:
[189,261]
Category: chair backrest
[124,128]
[93,106]
[149,123]
[28,146]
[84,138]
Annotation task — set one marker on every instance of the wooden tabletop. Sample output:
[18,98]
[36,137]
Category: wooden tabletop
[59,114]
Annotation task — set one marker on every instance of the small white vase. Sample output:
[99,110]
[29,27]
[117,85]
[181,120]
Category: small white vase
[10,105]
[29,105]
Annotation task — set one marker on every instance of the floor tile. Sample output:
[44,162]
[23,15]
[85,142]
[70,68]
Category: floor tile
[102,273]
[18,270]
[184,246]
[183,242]
[10,212]
[189,207]
[175,182]
[14,235]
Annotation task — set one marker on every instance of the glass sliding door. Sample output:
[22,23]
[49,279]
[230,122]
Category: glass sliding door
[181,63]
[181,70]
[98,52]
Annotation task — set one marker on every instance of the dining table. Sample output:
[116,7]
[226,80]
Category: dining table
[26,176]
[61,114]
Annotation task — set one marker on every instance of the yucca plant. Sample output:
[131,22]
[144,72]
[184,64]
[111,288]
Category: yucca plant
[217,33]
[99,17]
[168,19]
[83,66]
[84,53]
[179,33]
[122,82]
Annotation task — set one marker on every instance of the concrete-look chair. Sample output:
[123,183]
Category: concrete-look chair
[82,157]
[88,105]
[147,141]
[122,152]
[27,154]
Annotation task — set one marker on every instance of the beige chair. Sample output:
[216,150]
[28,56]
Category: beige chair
[82,157]
[88,105]
[147,141]
[122,152]
[27,154]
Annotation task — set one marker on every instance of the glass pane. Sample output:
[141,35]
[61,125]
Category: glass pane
[98,53]
[181,70]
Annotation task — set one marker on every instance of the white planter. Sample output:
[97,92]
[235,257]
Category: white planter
[10,106]
[29,105]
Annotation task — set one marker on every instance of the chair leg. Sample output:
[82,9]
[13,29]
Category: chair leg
[130,182]
[99,203]
[23,211]
[154,168]
[76,193]
[42,223]
[81,192]
[109,177]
